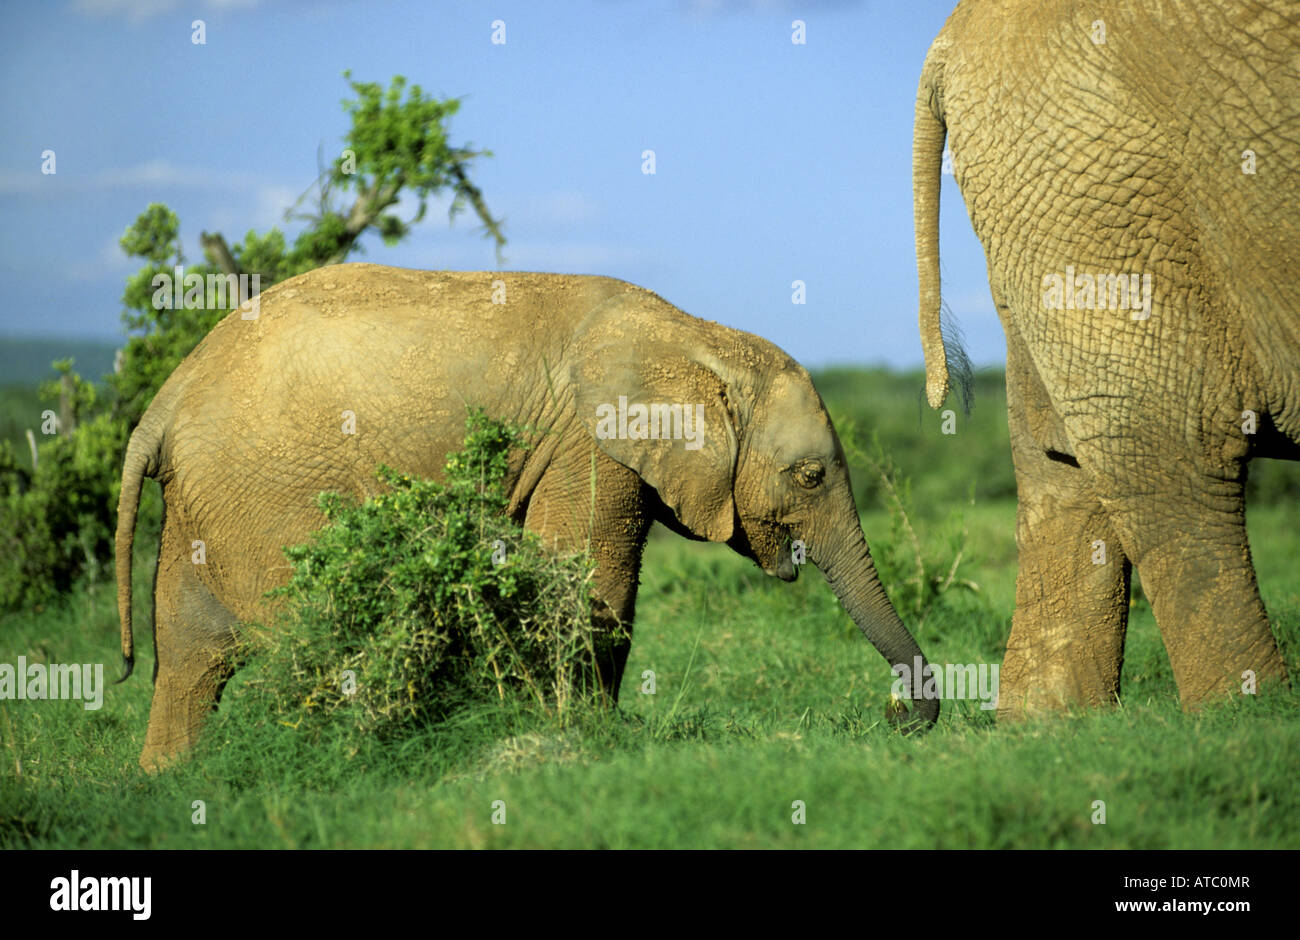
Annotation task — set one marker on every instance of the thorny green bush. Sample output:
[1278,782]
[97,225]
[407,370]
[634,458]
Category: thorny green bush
[422,598]
[918,577]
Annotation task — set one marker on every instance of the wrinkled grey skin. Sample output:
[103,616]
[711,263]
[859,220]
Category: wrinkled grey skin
[249,429]
[1127,157]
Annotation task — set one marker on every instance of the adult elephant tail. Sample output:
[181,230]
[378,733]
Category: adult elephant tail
[928,133]
[141,461]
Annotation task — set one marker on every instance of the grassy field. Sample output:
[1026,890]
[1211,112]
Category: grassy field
[765,695]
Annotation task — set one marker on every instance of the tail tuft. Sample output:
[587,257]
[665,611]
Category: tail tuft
[960,372]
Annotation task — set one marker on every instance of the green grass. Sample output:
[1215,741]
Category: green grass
[766,694]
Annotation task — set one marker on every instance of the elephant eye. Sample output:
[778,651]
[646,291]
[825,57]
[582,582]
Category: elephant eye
[809,472]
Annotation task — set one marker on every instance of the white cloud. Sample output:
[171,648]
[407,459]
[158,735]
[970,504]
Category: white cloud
[164,173]
[151,174]
[137,11]
[710,7]
[259,203]
[721,6]
[567,257]
[272,201]
[259,207]
[25,182]
[133,10]
[557,208]
[108,261]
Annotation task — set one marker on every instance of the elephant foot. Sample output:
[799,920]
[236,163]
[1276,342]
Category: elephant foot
[1201,684]
[1062,667]
[182,702]
[155,759]
[162,749]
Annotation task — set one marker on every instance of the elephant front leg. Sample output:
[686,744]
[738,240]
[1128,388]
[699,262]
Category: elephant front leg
[1067,634]
[609,519]
[614,645]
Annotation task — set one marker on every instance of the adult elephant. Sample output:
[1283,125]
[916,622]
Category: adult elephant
[1133,172]
[351,366]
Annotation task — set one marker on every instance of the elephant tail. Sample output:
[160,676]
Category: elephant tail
[141,461]
[928,133]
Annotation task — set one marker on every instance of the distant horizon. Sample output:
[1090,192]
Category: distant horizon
[95,363]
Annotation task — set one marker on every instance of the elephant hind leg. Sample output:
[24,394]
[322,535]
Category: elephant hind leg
[1197,570]
[1067,635]
[1072,588]
[1178,504]
[182,700]
[195,637]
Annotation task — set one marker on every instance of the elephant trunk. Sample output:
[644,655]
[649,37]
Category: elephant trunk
[852,575]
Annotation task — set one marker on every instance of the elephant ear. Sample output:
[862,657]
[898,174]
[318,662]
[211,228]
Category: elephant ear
[694,477]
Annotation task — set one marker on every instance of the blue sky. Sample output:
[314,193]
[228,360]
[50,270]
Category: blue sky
[775,161]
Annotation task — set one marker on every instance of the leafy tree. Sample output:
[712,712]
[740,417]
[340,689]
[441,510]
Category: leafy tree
[58,523]
[393,146]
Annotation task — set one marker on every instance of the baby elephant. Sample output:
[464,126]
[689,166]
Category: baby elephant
[715,433]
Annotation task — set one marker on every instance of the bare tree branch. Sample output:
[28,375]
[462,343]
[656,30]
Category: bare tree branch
[218,253]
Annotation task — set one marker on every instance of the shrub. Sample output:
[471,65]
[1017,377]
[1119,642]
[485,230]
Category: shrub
[918,578]
[421,598]
[58,523]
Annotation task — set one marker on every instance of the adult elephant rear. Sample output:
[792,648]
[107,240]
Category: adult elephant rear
[1133,172]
